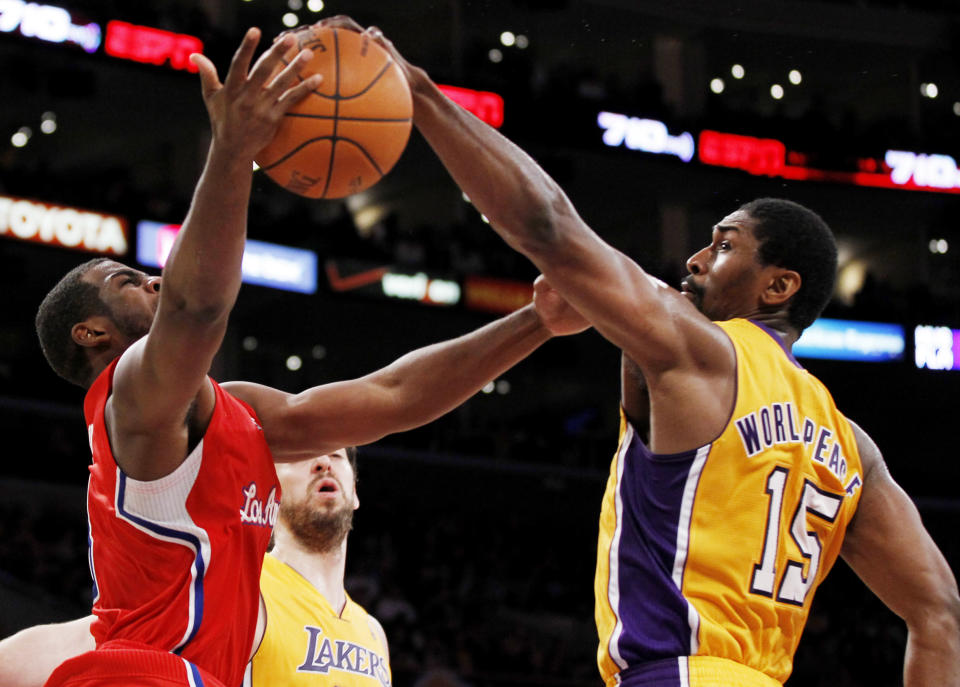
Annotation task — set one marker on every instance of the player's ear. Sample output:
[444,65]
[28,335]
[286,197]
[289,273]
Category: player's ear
[356,501]
[91,333]
[783,285]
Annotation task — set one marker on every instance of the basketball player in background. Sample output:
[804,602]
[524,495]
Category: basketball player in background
[183,492]
[715,531]
[308,613]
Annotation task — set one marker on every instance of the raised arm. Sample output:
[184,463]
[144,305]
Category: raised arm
[681,353]
[161,375]
[410,392]
[28,657]
[890,550]
[531,212]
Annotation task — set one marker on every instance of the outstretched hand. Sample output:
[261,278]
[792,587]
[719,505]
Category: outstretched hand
[556,314]
[341,21]
[247,108]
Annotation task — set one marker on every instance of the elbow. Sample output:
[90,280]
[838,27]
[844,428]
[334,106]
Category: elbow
[210,309]
[938,618]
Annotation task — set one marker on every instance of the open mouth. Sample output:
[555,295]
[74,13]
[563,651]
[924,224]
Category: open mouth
[327,486]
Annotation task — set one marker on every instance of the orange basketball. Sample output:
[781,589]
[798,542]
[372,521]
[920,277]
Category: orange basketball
[352,129]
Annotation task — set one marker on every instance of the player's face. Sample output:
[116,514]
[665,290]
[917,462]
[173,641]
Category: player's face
[131,295]
[726,277]
[322,483]
[319,497]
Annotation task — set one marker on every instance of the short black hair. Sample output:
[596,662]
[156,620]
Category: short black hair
[796,238]
[72,300]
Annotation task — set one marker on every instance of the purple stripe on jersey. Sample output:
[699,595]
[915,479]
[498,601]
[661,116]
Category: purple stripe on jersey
[776,337]
[664,673]
[652,610]
[93,570]
[190,539]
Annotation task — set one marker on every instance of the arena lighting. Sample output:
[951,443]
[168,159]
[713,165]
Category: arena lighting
[851,340]
[264,264]
[48,122]
[420,287]
[737,71]
[148,45]
[769,157]
[937,171]
[378,281]
[48,23]
[67,227]
[21,137]
[647,135]
[486,105]
[899,169]
[717,85]
[496,295]
[936,348]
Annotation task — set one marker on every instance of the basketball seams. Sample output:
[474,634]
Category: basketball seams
[363,150]
[336,112]
[358,164]
[292,152]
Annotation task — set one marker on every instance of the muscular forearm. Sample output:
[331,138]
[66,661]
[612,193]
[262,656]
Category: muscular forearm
[933,651]
[431,381]
[28,658]
[202,273]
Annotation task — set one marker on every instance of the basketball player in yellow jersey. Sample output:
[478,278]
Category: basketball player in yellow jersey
[315,633]
[716,529]
[312,633]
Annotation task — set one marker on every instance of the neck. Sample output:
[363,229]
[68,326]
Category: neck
[100,359]
[778,322]
[323,569]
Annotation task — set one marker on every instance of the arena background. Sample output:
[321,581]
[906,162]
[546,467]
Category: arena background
[475,542]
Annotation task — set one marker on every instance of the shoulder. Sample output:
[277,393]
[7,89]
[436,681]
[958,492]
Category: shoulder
[377,629]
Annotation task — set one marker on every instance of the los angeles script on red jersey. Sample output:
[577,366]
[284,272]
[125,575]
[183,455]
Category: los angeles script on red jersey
[255,511]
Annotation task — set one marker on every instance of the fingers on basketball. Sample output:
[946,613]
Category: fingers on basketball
[349,130]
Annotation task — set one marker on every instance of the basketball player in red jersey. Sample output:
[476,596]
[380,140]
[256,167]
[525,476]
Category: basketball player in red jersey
[183,493]
[690,589]
[308,611]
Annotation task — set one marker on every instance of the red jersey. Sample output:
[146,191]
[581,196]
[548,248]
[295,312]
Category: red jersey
[176,561]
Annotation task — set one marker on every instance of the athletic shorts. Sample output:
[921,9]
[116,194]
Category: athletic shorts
[130,664]
[694,671]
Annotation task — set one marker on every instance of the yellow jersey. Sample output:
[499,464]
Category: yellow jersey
[708,560]
[306,642]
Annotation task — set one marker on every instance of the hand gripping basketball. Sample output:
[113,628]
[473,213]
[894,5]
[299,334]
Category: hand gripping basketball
[347,133]
[247,107]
